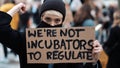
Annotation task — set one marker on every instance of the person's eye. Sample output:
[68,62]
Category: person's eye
[47,19]
[57,20]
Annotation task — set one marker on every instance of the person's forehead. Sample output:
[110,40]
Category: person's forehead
[53,13]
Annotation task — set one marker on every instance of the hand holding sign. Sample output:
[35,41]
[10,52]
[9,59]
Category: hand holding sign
[61,45]
[97,48]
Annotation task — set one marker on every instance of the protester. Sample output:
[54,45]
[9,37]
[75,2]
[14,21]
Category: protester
[52,14]
[83,17]
[111,46]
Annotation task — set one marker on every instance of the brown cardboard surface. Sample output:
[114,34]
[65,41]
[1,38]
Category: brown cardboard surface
[59,45]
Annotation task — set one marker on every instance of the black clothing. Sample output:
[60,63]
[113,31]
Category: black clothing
[112,47]
[24,21]
[5,51]
[44,24]
[17,42]
[77,65]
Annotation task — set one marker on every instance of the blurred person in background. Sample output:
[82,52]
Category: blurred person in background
[83,16]
[104,20]
[112,45]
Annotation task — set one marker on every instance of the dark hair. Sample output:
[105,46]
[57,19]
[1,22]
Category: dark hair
[82,1]
[83,14]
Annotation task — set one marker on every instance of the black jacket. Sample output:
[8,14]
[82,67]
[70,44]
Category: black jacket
[17,42]
[112,48]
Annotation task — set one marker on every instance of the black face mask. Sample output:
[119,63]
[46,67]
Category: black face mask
[45,25]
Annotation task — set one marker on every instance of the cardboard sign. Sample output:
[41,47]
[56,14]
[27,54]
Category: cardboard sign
[60,45]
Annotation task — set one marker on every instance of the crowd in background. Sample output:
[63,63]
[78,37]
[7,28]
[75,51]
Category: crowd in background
[79,13]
